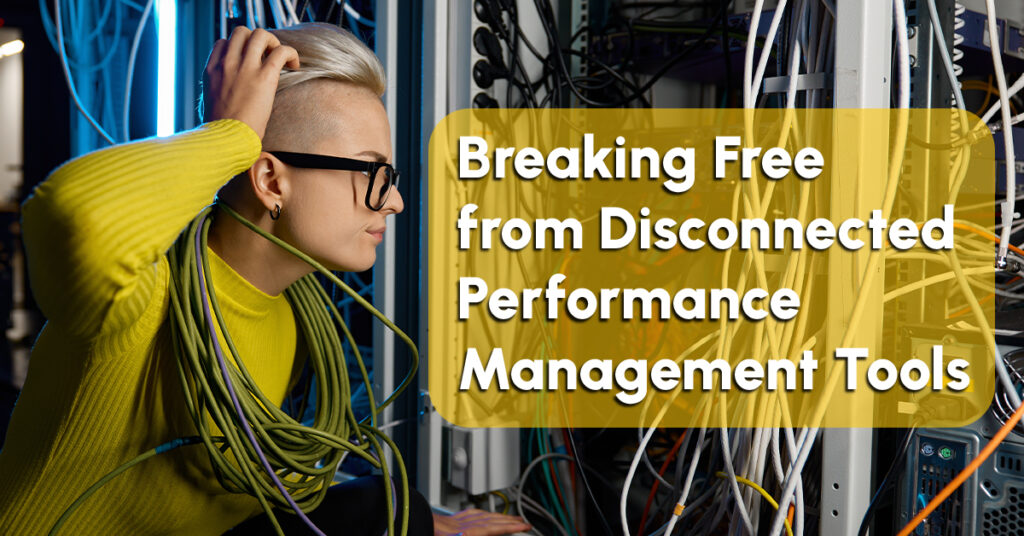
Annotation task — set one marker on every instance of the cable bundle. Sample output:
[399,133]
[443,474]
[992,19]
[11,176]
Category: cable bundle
[254,446]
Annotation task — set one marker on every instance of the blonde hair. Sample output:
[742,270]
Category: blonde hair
[329,52]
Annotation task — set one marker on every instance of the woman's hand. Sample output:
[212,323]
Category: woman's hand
[474,522]
[241,76]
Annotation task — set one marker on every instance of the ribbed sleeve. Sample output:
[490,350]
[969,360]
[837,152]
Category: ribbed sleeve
[96,226]
[103,384]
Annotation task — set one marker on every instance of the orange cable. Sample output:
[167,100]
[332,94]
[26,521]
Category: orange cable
[967,308]
[965,474]
[987,235]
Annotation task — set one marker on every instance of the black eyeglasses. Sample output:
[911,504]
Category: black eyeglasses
[378,172]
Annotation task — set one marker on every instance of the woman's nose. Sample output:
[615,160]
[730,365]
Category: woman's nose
[394,203]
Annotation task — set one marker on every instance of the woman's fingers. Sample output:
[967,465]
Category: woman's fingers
[256,47]
[233,54]
[216,54]
[242,76]
[281,57]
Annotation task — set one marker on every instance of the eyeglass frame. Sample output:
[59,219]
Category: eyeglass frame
[340,163]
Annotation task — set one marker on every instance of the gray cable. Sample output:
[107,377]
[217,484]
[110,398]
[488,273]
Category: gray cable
[536,507]
[947,61]
[740,505]
[526,474]
[647,462]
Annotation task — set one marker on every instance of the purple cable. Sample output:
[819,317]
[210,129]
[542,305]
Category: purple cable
[231,388]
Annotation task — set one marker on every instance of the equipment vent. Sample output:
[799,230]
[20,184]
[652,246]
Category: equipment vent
[933,479]
[1008,520]
[1008,463]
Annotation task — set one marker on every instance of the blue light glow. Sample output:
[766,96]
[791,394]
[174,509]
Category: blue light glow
[166,29]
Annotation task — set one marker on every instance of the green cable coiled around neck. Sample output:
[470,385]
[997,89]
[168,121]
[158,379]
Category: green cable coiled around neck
[303,457]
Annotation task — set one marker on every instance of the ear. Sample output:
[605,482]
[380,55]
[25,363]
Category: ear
[269,180]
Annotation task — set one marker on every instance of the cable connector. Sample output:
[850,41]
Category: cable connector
[1009,264]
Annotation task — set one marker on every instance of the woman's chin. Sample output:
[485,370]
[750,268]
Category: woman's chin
[350,265]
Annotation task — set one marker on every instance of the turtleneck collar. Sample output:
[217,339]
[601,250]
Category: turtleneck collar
[229,285]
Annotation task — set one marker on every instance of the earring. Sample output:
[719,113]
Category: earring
[276,213]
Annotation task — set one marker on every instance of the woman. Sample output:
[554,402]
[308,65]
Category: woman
[103,383]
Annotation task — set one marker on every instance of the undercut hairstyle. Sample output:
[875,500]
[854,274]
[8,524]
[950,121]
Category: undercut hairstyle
[326,53]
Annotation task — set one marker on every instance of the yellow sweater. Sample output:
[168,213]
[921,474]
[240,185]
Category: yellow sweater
[102,385]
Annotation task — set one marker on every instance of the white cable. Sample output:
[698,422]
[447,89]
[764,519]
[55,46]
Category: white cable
[795,468]
[290,8]
[766,49]
[131,70]
[947,61]
[794,73]
[641,448]
[632,471]
[748,55]
[803,11]
[1016,119]
[741,448]
[747,446]
[1012,90]
[355,15]
[62,52]
[649,465]
[1011,295]
[776,452]
[727,456]
[681,503]
[391,424]
[761,456]
[261,21]
[1004,105]
[798,511]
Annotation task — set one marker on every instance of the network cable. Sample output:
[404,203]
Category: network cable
[1008,210]
[62,53]
[284,445]
[746,482]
